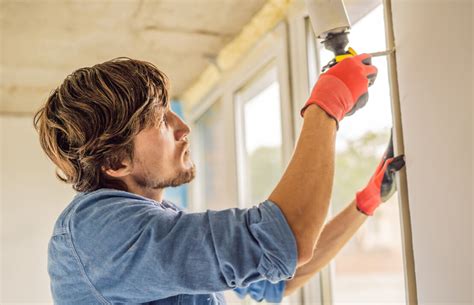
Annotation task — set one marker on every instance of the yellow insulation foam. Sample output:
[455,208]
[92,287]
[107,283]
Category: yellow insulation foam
[265,20]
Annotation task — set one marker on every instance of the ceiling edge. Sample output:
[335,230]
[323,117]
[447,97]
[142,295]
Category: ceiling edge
[263,21]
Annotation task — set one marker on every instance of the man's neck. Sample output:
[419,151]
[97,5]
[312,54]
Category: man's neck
[154,194]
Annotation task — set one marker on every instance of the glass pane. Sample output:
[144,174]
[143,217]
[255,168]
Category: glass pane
[263,144]
[369,269]
[260,142]
[211,162]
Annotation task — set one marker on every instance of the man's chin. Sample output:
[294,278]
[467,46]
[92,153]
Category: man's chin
[184,177]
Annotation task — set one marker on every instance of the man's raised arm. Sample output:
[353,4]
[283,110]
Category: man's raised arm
[304,191]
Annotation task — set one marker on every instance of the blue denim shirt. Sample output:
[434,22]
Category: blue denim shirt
[115,247]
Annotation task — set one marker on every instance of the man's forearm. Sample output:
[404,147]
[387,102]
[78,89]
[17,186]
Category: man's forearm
[304,190]
[334,236]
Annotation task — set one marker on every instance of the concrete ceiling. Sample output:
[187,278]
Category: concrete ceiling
[44,41]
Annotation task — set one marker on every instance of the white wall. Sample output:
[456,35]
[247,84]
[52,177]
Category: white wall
[31,200]
[434,58]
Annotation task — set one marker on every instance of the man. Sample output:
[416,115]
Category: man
[111,133]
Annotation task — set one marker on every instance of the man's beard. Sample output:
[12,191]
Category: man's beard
[182,177]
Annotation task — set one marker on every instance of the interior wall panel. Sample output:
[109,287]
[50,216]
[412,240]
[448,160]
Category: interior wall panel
[434,62]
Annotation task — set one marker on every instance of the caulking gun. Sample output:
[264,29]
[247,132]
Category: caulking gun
[331,25]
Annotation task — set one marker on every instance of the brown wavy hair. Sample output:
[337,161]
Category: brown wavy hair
[90,120]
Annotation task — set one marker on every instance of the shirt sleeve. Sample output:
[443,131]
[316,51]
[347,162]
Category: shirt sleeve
[134,251]
[263,291]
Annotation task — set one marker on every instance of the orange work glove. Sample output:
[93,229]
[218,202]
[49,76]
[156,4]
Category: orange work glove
[382,184]
[344,88]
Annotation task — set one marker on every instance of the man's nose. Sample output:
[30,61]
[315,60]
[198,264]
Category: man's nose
[182,129]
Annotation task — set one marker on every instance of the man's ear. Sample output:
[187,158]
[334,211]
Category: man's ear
[123,170]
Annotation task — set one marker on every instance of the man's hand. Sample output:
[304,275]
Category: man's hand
[344,88]
[382,184]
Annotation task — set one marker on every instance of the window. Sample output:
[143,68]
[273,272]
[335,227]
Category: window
[259,137]
[369,269]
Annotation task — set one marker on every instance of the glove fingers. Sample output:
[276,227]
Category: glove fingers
[367,61]
[372,79]
[370,71]
[388,186]
[387,168]
[397,163]
[359,104]
[364,58]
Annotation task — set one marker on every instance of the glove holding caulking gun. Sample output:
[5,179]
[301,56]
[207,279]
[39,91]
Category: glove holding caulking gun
[343,89]
[331,24]
[382,184]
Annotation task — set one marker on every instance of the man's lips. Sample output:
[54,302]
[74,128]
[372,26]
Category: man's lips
[186,149]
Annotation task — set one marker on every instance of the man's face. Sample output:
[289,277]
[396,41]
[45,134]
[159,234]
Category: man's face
[161,154]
